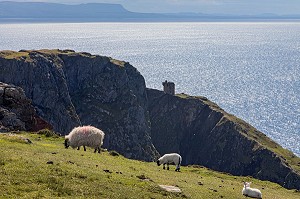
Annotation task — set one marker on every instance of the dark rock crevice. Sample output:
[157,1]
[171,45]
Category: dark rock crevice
[16,111]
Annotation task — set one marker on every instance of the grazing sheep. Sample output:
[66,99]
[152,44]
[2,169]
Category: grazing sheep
[85,136]
[168,159]
[251,192]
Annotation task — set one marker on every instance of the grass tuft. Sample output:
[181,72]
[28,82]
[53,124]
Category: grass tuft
[47,133]
[114,153]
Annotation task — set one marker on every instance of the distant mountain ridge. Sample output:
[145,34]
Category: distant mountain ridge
[9,9]
[42,11]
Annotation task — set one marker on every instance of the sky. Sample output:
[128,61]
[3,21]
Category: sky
[249,7]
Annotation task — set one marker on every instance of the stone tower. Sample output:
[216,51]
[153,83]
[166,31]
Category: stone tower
[169,87]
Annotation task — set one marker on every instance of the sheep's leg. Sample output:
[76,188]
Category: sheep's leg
[164,166]
[168,166]
[177,168]
[84,148]
[78,148]
[97,149]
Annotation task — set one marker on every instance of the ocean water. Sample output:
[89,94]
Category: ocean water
[251,70]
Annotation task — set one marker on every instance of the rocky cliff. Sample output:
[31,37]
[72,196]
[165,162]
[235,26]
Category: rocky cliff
[71,89]
[68,89]
[204,134]
[17,112]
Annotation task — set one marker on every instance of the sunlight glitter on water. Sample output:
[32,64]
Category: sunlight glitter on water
[251,70]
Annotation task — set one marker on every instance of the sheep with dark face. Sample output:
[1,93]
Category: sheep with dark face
[169,159]
[251,192]
[85,136]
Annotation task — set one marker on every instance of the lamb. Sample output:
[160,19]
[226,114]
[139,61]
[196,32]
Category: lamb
[170,158]
[251,192]
[85,136]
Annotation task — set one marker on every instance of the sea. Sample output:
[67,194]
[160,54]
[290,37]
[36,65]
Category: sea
[250,69]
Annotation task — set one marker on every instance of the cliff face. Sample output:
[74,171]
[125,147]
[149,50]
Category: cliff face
[71,89]
[43,80]
[204,134]
[16,111]
[112,95]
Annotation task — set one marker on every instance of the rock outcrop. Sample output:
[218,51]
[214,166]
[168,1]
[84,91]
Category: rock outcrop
[71,89]
[16,111]
[204,134]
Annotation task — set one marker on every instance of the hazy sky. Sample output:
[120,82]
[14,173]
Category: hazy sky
[203,6]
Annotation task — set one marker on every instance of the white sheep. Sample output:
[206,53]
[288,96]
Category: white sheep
[251,192]
[169,159]
[85,136]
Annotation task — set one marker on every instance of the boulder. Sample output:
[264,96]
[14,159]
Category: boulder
[17,112]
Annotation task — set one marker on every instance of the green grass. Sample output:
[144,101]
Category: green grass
[117,62]
[25,173]
[7,54]
[24,54]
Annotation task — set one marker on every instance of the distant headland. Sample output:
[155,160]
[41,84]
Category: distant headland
[11,11]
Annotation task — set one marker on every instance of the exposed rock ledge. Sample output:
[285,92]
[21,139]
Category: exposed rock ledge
[16,111]
[204,134]
[69,89]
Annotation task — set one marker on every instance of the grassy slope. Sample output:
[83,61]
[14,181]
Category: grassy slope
[24,173]
[24,54]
